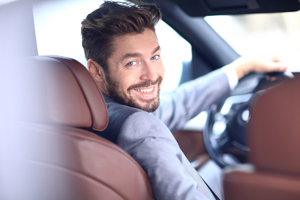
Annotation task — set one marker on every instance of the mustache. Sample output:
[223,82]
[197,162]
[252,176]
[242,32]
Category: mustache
[146,83]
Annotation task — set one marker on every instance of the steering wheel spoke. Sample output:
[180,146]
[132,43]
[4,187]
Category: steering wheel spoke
[224,143]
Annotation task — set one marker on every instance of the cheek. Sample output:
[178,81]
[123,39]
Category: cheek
[127,79]
[161,70]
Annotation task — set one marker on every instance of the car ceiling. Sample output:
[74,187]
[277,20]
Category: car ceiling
[221,7]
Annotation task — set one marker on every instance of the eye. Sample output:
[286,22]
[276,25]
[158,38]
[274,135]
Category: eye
[156,57]
[132,63]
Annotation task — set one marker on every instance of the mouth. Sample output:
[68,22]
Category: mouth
[145,94]
[145,90]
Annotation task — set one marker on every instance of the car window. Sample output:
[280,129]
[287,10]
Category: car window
[58,24]
[175,51]
[264,34]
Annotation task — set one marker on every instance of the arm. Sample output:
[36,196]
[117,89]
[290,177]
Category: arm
[246,65]
[195,96]
[153,146]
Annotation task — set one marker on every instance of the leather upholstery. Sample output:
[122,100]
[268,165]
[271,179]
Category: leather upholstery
[260,186]
[65,94]
[62,159]
[274,142]
[192,145]
[274,130]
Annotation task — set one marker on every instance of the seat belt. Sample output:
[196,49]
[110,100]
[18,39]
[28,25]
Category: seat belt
[216,197]
[202,186]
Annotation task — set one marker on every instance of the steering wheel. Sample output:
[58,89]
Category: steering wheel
[225,130]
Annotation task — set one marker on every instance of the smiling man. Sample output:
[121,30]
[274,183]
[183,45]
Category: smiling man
[136,71]
[123,56]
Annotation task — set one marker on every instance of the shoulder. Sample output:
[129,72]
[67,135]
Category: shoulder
[143,125]
[145,121]
[133,120]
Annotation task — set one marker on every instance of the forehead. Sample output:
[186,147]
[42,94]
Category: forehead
[141,43]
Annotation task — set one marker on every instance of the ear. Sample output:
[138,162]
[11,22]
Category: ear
[98,74]
[95,70]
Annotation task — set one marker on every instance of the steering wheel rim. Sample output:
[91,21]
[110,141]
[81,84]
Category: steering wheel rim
[217,147]
[211,150]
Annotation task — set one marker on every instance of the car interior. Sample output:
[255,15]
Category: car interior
[273,139]
[52,105]
[62,147]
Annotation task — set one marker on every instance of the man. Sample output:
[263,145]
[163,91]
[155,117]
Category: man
[124,59]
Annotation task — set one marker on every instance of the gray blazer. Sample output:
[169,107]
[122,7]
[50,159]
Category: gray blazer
[148,139]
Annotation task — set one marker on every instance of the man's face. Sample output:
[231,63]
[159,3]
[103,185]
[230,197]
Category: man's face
[135,71]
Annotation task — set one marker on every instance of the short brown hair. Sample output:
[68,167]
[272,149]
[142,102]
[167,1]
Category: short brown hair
[114,19]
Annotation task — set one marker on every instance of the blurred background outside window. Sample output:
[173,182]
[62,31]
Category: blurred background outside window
[262,34]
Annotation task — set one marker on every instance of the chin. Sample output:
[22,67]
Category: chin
[150,107]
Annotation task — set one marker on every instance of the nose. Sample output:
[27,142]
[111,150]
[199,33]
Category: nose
[148,72]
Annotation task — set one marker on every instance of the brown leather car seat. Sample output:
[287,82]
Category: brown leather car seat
[274,140]
[60,157]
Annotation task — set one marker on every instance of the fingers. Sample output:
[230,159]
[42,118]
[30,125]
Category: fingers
[269,78]
[272,67]
[245,65]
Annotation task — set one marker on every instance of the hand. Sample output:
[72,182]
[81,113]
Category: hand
[246,65]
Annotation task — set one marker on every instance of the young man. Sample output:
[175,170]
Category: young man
[124,59]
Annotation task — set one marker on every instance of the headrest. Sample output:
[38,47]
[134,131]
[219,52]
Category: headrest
[59,90]
[274,129]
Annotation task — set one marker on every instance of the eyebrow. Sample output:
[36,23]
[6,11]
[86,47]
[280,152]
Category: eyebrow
[130,55]
[156,49]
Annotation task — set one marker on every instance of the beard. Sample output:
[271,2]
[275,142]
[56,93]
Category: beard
[115,92]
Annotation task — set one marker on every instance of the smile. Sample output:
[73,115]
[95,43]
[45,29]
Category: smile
[145,90]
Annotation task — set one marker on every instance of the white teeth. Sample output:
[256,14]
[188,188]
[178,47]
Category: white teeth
[145,90]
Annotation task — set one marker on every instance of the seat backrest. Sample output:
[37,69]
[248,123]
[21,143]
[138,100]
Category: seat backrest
[62,158]
[274,136]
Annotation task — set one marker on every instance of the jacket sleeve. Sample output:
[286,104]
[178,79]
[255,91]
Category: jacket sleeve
[153,146]
[191,98]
